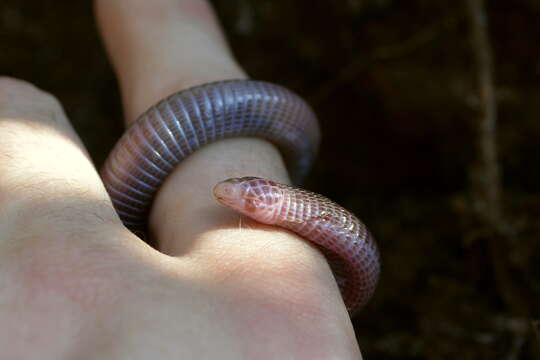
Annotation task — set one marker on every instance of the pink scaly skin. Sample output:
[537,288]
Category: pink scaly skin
[345,241]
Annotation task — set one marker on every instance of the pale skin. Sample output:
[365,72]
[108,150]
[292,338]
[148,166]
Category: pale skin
[76,284]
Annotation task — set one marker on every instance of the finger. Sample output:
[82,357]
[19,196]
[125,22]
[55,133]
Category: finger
[47,181]
[164,46]
[159,47]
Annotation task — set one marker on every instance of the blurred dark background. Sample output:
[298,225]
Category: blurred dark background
[395,86]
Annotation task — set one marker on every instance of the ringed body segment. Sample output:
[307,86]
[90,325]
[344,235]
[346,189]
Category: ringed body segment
[168,132]
[346,242]
[171,130]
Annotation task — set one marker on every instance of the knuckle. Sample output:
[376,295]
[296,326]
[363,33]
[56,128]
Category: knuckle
[7,82]
[13,88]
[21,99]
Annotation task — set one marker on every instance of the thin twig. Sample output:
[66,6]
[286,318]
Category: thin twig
[485,174]
[485,177]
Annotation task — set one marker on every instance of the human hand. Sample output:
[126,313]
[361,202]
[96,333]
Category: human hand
[74,283]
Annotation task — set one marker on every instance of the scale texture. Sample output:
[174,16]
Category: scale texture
[177,126]
[346,242]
